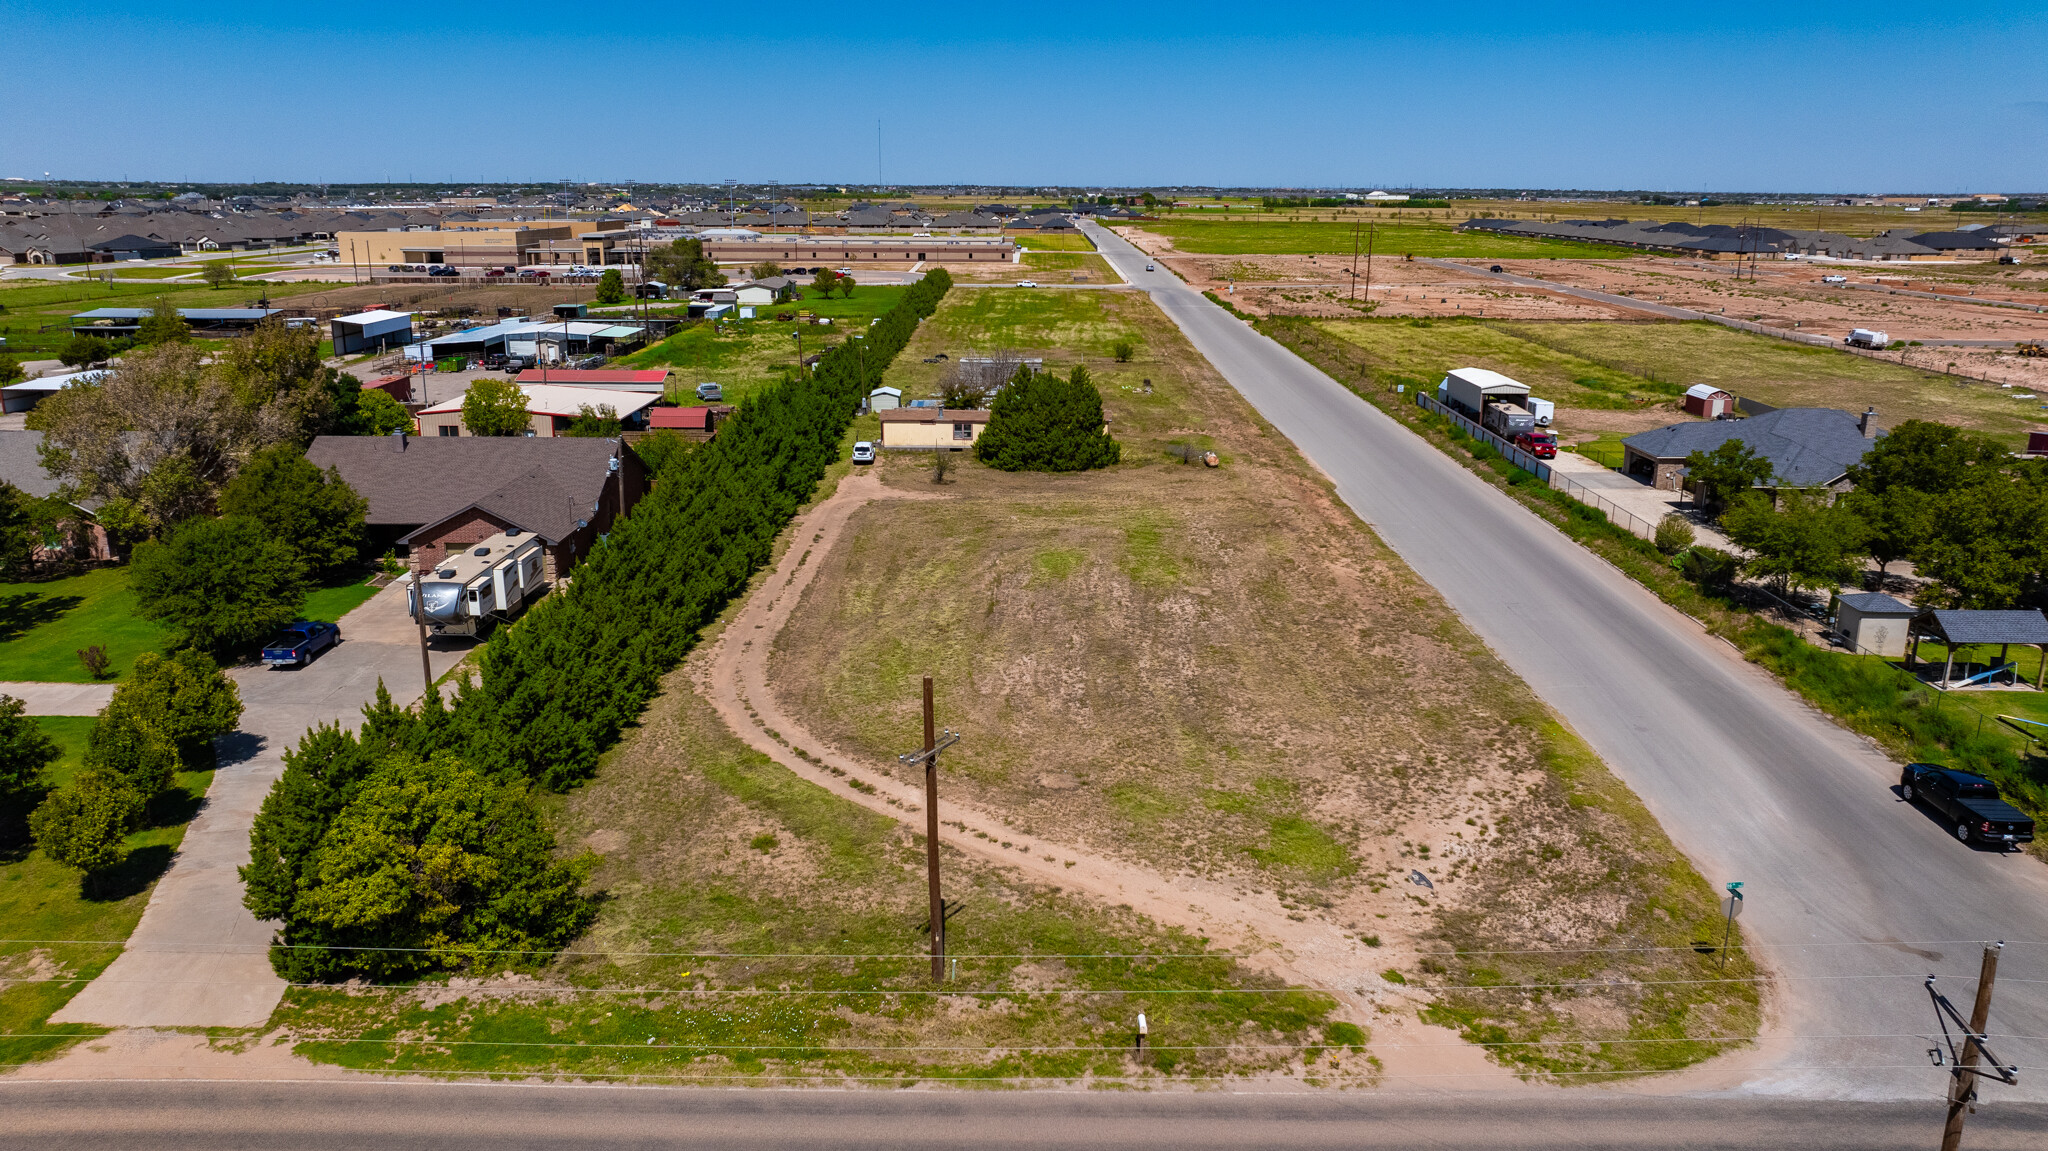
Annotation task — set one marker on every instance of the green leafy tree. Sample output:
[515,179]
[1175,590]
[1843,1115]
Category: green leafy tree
[186,698]
[767,270]
[825,280]
[131,746]
[173,491]
[225,583]
[274,374]
[217,273]
[316,512]
[846,286]
[683,264]
[86,825]
[377,414]
[20,533]
[1041,422]
[163,325]
[85,351]
[495,407]
[611,287]
[601,422]
[1899,482]
[10,370]
[1986,544]
[435,859]
[1805,541]
[26,753]
[1724,473]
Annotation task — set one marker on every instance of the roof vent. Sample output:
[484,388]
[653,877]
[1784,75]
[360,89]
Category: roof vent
[512,533]
[446,573]
[481,552]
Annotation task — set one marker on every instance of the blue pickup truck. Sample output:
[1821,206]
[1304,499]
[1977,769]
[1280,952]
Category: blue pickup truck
[297,643]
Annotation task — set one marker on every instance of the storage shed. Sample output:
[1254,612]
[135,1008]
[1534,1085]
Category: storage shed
[1874,623]
[1708,401]
[885,399]
[370,331]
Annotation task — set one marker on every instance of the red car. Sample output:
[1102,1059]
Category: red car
[1542,445]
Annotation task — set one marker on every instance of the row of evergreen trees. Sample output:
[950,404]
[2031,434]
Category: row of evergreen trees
[415,844]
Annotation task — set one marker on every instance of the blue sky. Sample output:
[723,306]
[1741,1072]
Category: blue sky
[1736,96]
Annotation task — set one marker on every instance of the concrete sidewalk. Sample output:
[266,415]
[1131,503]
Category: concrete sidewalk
[1636,497]
[60,698]
[199,958]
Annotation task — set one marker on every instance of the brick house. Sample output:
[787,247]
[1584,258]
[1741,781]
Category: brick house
[434,495]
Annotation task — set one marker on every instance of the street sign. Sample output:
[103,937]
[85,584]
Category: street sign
[1731,907]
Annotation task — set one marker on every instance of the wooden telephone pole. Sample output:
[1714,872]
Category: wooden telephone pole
[929,757]
[419,603]
[1963,1075]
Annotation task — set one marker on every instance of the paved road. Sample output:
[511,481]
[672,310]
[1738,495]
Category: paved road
[197,958]
[1854,896]
[227,1116]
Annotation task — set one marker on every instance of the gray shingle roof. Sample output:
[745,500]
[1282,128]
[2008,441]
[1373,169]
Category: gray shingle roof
[1807,447]
[541,484]
[1877,603]
[21,463]
[1984,626]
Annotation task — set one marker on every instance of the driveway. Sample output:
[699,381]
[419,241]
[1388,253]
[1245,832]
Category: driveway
[1854,896]
[198,957]
[60,698]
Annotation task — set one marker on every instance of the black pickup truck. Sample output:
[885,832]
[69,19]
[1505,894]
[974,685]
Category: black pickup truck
[1970,804]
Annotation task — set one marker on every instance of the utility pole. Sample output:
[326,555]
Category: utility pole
[1964,1073]
[1372,232]
[419,604]
[1356,227]
[929,757]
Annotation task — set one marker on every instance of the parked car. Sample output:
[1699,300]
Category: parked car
[1542,445]
[1969,805]
[1834,279]
[710,392]
[864,452]
[1027,283]
[297,643]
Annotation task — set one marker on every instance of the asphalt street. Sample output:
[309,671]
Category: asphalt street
[1854,896]
[138,1116]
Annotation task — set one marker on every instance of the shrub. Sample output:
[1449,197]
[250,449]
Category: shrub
[315,512]
[85,825]
[96,660]
[1123,350]
[25,754]
[611,287]
[1674,534]
[1710,568]
[1041,422]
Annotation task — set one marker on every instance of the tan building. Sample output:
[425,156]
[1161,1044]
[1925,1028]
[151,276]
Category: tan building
[802,249]
[931,429]
[485,244]
[550,409]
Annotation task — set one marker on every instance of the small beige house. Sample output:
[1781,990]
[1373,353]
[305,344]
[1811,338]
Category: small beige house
[931,429]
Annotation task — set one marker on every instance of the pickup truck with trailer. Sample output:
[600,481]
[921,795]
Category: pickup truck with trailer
[1969,805]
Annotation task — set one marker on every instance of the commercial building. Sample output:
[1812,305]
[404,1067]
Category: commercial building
[209,321]
[858,249]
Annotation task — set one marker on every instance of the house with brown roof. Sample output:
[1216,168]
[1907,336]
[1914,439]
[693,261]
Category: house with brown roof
[436,495]
[932,429]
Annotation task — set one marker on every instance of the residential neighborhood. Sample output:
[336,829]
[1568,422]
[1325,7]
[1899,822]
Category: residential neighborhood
[1183,622]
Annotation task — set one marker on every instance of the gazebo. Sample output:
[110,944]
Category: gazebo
[1957,628]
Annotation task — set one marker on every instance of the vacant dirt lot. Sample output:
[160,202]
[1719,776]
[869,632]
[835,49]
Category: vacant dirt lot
[1221,673]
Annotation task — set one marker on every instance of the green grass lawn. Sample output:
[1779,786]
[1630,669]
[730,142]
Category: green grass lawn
[41,901]
[44,625]
[750,354]
[145,273]
[338,598]
[1064,265]
[1056,243]
[1277,238]
[31,304]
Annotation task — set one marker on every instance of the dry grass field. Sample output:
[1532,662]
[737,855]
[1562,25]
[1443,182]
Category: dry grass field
[1221,674]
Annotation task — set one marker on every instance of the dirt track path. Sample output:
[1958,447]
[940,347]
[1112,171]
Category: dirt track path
[1305,951]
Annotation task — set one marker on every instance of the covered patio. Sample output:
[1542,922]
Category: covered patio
[1954,629]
